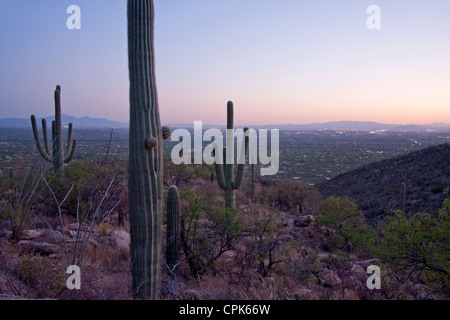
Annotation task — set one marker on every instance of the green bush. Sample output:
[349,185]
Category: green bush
[44,275]
[348,224]
[290,194]
[90,180]
[207,229]
[419,246]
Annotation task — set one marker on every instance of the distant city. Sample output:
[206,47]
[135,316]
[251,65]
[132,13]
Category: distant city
[87,122]
[308,155]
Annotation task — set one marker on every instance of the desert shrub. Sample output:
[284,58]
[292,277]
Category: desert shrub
[290,194]
[20,195]
[182,174]
[419,246]
[350,230]
[306,266]
[261,248]
[268,246]
[204,171]
[207,230]
[89,181]
[89,192]
[42,275]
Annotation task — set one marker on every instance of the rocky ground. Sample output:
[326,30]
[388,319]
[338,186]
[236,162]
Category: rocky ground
[34,266]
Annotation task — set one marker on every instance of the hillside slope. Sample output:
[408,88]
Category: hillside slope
[378,187]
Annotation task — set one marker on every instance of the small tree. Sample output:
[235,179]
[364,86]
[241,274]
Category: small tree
[347,221]
[419,246]
[207,230]
[265,245]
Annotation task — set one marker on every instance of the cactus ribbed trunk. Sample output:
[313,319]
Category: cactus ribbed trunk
[173,228]
[145,153]
[230,197]
[58,151]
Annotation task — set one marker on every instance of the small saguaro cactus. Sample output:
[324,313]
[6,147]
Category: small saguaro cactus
[225,171]
[173,228]
[403,196]
[57,156]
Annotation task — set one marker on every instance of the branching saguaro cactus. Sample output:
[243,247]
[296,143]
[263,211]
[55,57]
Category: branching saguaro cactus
[56,155]
[145,182]
[226,178]
[173,228]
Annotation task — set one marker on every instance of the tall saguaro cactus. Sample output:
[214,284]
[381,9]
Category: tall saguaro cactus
[225,171]
[56,155]
[145,152]
[173,228]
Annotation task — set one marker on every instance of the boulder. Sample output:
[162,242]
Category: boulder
[51,236]
[421,292]
[359,272]
[303,221]
[76,226]
[73,226]
[6,234]
[6,225]
[330,278]
[302,293]
[121,239]
[323,256]
[367,262]
[42,248]
[30,234]
[13,297]
[351,294]
[190,294]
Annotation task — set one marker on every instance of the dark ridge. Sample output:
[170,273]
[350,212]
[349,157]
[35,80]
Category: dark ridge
[378,187]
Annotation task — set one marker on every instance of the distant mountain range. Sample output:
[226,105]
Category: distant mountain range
[87,122]
[361,126]
[83,122]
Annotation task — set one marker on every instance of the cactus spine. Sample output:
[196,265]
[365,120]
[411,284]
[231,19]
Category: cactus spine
[173,228]
[145,152]
[56,155]
[225,171]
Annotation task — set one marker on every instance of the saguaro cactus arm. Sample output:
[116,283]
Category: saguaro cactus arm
[220,173]
[45,133]
[45,153]
[71,146]
[58,150]
[71,152]
[241,167]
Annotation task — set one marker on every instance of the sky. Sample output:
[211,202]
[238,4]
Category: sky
[286,61]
